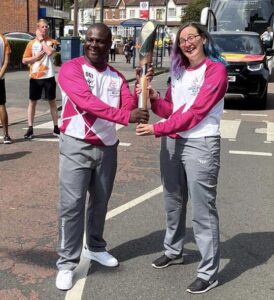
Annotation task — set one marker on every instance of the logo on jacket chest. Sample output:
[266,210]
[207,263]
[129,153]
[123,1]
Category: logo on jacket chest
[113,88]
[90,80]
[194,87]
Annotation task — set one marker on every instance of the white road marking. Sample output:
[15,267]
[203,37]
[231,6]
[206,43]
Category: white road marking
[255,115]
[250,153]
[82,269]
[47,125]
[56,139]
[125,144]
[229,128]
[119,126]
[270,132]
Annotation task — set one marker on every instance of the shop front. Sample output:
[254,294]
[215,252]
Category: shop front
[56,19]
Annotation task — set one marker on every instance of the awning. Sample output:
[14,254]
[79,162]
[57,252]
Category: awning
[135,22]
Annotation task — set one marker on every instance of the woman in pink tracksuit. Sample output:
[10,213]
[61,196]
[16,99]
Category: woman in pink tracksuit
[190,149]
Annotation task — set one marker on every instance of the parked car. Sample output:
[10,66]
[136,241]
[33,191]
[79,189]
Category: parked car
[248,71]
[25,36]
[21,36]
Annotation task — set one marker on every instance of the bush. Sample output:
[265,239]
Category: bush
[17,51]
[57,58]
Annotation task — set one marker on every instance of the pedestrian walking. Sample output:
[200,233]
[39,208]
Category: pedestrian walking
[267,38]
[38,54]
[4,61]
[113,51]
[190,150]
[127,52]
[95,97]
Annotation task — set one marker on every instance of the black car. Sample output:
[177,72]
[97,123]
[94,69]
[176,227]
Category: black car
[248,66]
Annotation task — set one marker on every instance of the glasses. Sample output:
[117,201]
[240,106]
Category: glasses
[190,39]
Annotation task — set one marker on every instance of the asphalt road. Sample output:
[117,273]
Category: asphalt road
[135,226]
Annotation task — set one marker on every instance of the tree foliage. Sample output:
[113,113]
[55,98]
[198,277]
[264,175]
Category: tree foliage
[193,10]
[67,4]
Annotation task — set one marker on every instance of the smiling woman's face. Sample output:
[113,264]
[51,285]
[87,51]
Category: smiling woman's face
[191,44]
[97,46]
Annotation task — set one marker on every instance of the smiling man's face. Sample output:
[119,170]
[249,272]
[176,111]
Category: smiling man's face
[97,45]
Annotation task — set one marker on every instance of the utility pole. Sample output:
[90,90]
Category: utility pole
[28,16]
[102,11]
[166,13]
[75,17]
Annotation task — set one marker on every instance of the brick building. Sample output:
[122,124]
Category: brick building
[22,15]
[18,15]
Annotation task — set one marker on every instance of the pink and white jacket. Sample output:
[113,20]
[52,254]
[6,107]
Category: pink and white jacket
[193,103]
[93,102]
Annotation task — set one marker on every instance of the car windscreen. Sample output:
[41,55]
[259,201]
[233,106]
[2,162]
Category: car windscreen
[250,15]
[238,44]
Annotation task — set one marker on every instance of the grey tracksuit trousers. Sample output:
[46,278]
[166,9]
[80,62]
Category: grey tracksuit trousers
[83,168]
[189,168]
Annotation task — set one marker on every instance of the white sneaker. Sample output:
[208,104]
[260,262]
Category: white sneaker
[64,280]
[103,257]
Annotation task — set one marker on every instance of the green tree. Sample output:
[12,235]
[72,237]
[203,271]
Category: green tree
[67,4]
[193,10]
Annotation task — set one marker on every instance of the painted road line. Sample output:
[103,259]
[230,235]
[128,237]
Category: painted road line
[229,128]
[47,125]
[250,153]
[82,269]
[132,203]
[270,132]
[55,139]
[255,115]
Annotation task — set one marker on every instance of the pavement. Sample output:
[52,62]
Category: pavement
[17,88]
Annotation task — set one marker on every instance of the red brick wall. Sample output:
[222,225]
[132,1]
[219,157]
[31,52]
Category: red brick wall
[13,15]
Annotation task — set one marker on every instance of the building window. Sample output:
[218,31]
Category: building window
[122,14]
[159,14]
[172,12]
[132,13]
[97,15]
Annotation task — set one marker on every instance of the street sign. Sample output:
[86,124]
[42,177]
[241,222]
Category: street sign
[144,10]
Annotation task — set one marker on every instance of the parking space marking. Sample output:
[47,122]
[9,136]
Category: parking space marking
[229,128]
[82,269]
[270,132]
[250,153]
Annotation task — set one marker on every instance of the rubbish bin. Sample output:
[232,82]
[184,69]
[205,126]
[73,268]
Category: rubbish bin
[70,48]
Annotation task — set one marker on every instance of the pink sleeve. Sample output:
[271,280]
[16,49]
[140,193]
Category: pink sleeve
[211,92]
[73,83]
[163,107]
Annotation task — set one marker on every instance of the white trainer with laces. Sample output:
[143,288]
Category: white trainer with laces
[64,280]
[103,257]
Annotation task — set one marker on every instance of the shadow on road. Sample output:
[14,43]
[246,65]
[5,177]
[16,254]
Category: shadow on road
[244,252]
[15,155]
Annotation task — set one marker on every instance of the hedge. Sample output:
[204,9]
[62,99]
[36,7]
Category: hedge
[17,51]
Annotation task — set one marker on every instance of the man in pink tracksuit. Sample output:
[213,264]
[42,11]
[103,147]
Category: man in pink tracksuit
[95,97]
